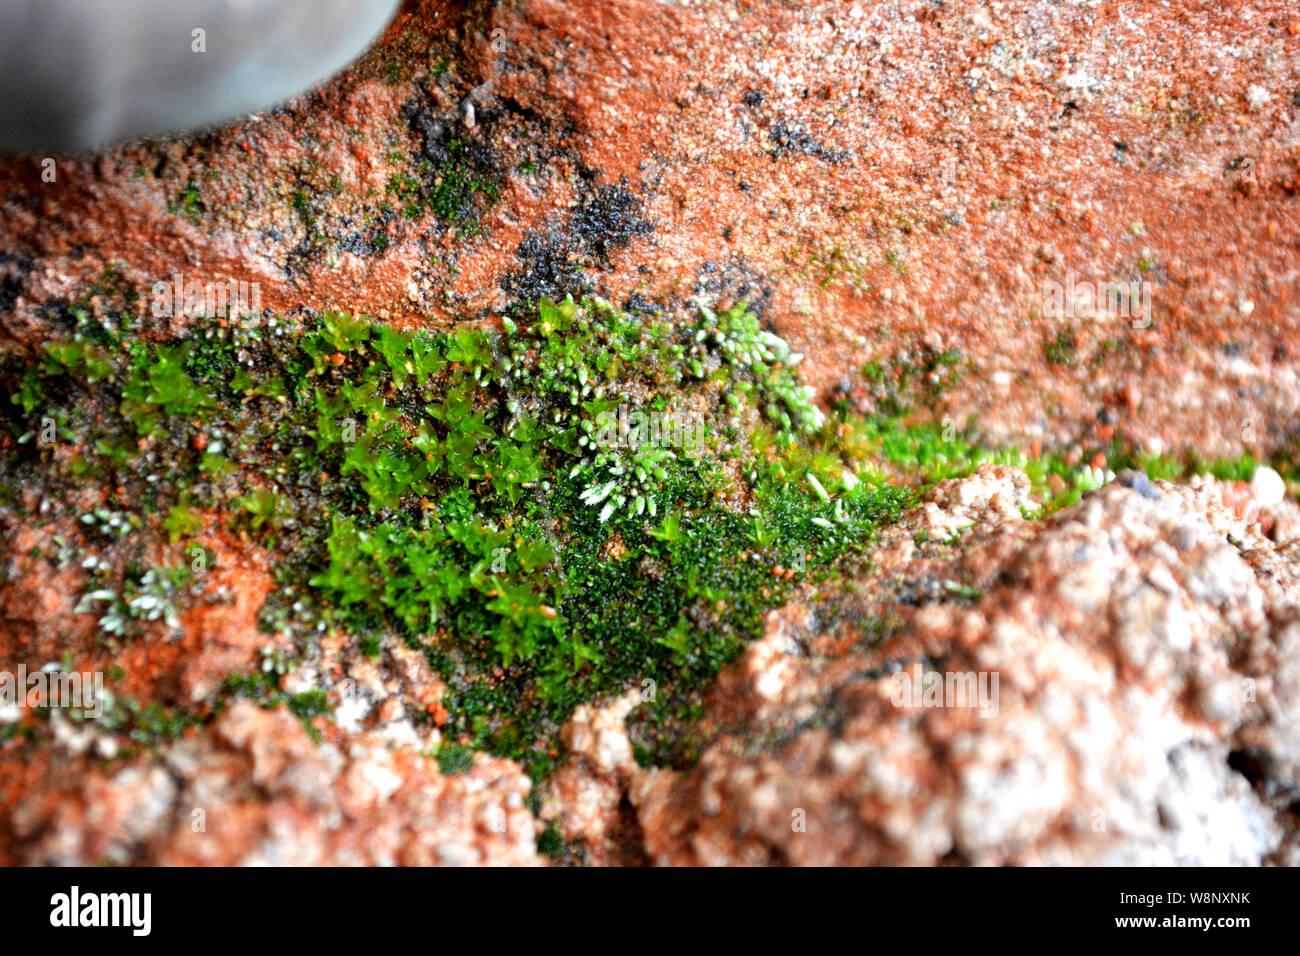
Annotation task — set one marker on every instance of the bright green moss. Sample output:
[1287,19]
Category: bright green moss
[189,204]
[485,496]
[925,453]
[79,358]
[159,387]
[453,490]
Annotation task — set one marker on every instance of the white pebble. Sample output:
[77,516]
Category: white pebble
[1268,487]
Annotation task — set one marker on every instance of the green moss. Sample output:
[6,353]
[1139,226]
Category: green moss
[913,377]
[454,758]
[78,358]
[549,842]
[309,704]
[157,386]
[182,522]
[147,725]
[453,196]
[1229,469]
[466,494]
[406,189]
[456,185]
[1061,350]
[448,490]
[265,509]
[927,452]
[923,453]
[189,204]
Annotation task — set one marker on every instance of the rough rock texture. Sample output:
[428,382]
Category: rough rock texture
[882,178]
[587,797]
[1145,710]
[255,789]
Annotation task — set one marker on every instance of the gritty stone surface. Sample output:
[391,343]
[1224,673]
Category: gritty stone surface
[1118,684]
[585,798]
[254,789]
[881,180]
[1144,709]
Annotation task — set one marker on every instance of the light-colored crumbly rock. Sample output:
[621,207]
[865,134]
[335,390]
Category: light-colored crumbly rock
[879,182]
[586,797]
[1130,677]
[1143,645]
[255,788]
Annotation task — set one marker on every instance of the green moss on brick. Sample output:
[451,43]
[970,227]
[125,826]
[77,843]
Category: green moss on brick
[466,494]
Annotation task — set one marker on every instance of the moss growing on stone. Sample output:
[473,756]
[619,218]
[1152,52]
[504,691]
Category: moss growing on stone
[520,504]
[456,491]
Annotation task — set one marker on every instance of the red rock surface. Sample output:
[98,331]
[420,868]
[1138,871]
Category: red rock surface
[876,175]
[1147,710]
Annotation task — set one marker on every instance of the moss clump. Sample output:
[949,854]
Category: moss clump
[480,495]
[550,843]
[455,758]
[146,725]
[1063,349]
[189,204]
[922,453]
[450,490]
[455,177]
[912,377]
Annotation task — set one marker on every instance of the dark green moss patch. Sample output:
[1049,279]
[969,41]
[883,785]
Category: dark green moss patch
[455,758]
[456,174]
[455,491]
[1062,349]
[493,497]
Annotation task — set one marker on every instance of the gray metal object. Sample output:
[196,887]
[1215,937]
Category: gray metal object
[75,74]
